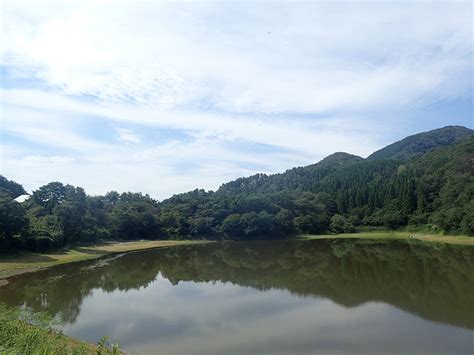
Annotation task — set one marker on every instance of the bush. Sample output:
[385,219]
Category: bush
[393,219]
[339,224]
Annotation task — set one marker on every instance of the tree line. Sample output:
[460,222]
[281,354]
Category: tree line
[342,193]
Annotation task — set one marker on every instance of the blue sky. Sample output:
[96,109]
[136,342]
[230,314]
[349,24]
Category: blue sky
[165,97]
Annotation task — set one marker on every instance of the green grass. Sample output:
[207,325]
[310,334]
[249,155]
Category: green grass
[14,263]
[451,239]
[23,332]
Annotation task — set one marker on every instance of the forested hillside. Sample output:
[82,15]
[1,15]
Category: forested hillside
[421,143]
[433,191]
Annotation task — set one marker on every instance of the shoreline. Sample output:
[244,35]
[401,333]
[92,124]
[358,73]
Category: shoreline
[460,240]
[21,262]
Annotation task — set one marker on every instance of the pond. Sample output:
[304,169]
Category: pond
[269,297]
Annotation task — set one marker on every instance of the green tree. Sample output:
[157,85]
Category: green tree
[11,187]
[393,219]
[13,221]
[50,195]
[232,227]
[339,224]
[135,220]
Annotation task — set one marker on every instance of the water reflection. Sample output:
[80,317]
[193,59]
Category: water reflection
[341,296]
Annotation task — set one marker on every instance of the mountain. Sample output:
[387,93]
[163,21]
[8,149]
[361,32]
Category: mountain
[295,178]
[421,143]
[432,191]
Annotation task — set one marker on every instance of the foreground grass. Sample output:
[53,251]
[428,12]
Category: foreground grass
[451,239]
[23,332]
[21,262]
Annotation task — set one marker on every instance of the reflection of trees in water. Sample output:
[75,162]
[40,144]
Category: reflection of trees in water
[61,290]
[431,280]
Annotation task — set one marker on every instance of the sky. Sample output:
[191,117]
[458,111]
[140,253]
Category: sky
[165,97]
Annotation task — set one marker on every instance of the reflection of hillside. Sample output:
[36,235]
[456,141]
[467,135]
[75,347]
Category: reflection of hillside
[433,281]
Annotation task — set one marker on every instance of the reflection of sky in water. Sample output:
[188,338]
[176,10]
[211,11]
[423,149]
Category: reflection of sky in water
[222,318]
[288,297]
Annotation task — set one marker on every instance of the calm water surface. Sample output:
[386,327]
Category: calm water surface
[276,297]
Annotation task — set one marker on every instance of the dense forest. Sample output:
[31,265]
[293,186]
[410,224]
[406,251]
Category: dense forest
[424,182]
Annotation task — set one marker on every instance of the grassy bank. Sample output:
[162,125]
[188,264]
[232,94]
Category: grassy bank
[23,332]
[21,262]
[439,238]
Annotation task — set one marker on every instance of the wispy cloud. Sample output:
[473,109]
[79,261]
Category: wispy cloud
[242,87]
[127,136]
[247,57]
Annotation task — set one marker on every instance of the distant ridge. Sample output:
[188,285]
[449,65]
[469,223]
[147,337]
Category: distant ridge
[340,158]
[422,143]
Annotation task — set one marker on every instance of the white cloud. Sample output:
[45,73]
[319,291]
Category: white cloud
[127,136]
[245,58]
[299,79]
[320,137]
